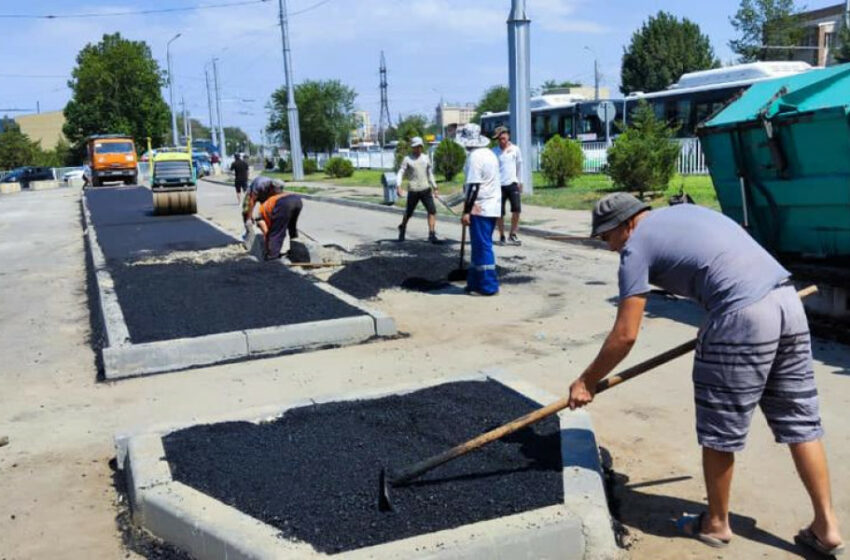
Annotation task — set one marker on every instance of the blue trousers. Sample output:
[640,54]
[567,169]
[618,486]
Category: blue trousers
[482,276]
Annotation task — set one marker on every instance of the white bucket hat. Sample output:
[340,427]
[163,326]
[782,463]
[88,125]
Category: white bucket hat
[469,136]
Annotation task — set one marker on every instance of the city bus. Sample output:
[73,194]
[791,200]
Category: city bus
[685,104]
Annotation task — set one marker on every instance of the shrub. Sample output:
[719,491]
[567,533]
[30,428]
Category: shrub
[449,158]
[339,167]
[402,149]
[310,166]
[283,165]
[561,161]
[644,156]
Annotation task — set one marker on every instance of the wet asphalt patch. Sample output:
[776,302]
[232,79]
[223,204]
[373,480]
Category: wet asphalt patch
[186,299]
[313,473]
[411,265]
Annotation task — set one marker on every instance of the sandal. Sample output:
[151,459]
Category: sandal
[691,525]
[807,538]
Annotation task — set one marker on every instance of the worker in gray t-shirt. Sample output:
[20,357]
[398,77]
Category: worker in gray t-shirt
[754,349]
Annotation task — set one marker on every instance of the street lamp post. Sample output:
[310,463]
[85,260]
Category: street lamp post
[171,88]
[595,72]
[519,79]
[295,154]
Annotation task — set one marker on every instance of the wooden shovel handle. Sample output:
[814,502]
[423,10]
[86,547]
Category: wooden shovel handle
[413,471]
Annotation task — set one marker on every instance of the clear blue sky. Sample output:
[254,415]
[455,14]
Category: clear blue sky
[452,49]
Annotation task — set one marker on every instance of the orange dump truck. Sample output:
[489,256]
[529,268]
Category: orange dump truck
[111,157]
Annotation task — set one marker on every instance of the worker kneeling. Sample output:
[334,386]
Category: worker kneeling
[279,214]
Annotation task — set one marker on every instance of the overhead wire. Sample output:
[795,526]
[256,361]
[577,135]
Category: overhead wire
[134,12]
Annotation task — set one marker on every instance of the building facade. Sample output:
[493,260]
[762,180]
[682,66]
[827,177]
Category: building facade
[821,28]
[449,117]
[43,127]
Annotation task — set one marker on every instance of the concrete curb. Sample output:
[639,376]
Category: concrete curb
[46,185]
[208,529]
[10,188]
[122,358]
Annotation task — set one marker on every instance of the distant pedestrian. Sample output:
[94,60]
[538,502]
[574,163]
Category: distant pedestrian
[481,210]
[421,186]
[240,169]
[510,175]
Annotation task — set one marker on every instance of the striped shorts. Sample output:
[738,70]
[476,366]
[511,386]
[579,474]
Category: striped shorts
[756,356]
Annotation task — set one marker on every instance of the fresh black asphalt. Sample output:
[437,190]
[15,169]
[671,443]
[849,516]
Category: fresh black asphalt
[184,299]
[313,473]
[411,265]
[181,299]
[126,227]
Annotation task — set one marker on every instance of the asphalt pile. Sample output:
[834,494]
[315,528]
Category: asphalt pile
[313,473]
[413,265]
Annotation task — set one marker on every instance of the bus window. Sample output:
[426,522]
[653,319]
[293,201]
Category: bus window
[683,115]
[553,128]
[566,127]
[539,126]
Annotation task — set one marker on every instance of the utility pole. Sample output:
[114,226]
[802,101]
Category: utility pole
[185,119]
[222,141]
[596,79]
[291,108]
[384,122]
[213,133]
[171,88]
[519,77]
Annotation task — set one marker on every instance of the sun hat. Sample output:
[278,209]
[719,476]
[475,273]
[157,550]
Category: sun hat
[613,210]
[469,136]
[499,131]
[416,141]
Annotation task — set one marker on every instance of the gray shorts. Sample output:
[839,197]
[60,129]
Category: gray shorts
[757,356]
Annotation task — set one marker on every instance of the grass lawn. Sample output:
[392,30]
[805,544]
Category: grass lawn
[580,194]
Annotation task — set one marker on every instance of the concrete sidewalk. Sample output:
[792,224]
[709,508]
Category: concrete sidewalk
[549,221]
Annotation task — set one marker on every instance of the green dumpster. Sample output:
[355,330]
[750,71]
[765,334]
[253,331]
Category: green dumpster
[779,158]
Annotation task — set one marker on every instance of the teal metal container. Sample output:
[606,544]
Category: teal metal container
[779,157]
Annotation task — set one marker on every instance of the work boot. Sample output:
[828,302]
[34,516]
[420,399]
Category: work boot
[432,237]
[514,240]
[501,241]
[401,230]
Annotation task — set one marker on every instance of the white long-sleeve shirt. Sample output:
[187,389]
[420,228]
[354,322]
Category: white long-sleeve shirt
[510,164]
[419,173]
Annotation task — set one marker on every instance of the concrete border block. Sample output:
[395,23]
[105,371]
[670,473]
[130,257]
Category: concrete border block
[130,360]
[580,528]
[45,185]
[346,330]
[10,188]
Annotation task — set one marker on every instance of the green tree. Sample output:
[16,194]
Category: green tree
[663,49]
[16,149]
[449,158]
[325,114]
[116,88]
[495,100]
[237,140]
[197,129]
[766,23]
[410,126]
[842,53]
[61,155]
[401,149]
[644,156]
[561,161]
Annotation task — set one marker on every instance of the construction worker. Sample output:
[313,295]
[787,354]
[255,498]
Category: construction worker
[754,348]
[421,186]
[240,169]
[279,214]
[260,190]
[510,172]
[481,210]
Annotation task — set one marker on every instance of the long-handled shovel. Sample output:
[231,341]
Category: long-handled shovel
[459,274]
[406,474]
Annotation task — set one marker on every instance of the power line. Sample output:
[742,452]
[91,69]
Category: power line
[308,8]
[135,12]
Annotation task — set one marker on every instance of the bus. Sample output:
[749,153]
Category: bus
[685,104]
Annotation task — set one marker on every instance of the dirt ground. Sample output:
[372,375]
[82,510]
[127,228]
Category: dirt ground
[57,498]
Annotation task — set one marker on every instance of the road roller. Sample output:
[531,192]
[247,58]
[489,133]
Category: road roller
[173,180]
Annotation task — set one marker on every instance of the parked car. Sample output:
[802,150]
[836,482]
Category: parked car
[202,163]
[26,175]
[73,174]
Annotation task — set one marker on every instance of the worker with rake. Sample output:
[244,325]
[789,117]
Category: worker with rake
[754,349]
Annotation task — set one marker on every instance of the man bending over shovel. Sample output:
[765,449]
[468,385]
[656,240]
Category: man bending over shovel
[754,348]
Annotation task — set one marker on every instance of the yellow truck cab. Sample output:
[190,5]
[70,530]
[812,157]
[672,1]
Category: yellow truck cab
[111,157]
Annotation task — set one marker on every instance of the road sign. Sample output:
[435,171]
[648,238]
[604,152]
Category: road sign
[606,111]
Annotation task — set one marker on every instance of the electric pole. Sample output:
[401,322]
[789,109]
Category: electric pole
[291,108]
[209,105]
[222,141]
[384,122]
[171,88]
[519,77]
[185,119]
